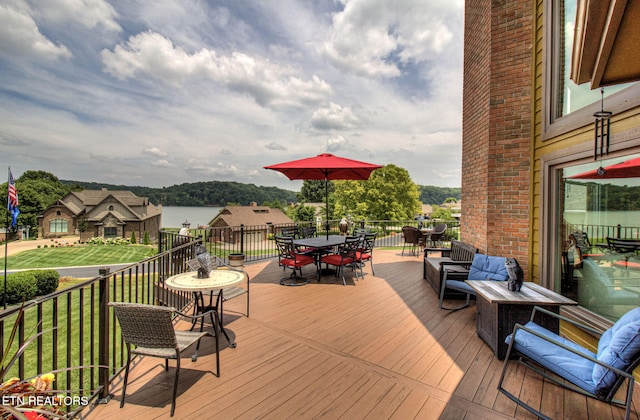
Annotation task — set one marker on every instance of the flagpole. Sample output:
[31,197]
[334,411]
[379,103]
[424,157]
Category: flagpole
[6,244]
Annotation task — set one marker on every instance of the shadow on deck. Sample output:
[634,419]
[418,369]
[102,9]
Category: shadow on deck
[377,348]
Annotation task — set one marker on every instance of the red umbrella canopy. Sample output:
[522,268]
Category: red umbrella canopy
[325,166]
[627,169]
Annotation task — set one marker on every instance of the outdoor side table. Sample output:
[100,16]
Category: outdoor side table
[499,309]
[218,280]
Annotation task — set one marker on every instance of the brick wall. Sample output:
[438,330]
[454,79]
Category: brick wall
[496,128]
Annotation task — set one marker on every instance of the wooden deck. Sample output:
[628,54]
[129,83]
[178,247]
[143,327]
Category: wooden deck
[377,348]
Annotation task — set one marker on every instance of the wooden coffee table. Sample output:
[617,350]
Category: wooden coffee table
[499,309]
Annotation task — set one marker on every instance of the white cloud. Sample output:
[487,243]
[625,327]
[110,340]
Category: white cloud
[162,163]
[22,38]
[151,54]
[156,152]
[373,37]
[187,91]
[336,144]
[334,117]
[88,13]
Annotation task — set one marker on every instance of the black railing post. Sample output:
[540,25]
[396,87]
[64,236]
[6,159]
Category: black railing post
[103,335]
[618,229]
[241,238]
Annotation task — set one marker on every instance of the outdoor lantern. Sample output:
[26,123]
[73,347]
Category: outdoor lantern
[601,132]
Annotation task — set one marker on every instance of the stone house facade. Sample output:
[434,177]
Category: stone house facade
[101,213]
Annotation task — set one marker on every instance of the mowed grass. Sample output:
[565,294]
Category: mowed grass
[78,255]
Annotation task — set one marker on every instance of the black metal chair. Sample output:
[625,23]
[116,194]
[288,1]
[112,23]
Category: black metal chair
[364,252]
[345,256]
[289,257]
[557,359]
[437,235]
[584,246]
[150,329]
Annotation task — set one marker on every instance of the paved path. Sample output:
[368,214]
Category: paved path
[15,247]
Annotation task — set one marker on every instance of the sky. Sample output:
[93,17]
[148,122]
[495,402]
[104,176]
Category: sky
[164,92]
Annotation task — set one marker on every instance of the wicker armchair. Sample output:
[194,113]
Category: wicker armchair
[412,237]
[150,329]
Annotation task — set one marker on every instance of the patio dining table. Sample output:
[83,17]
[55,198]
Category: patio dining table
[318,245]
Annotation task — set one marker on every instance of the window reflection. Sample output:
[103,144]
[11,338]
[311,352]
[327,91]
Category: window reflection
[600,236]
[571,97]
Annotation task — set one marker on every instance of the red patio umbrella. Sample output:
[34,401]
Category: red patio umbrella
[627,169]
[328,167]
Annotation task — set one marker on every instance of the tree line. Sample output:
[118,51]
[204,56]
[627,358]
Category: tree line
[37,190]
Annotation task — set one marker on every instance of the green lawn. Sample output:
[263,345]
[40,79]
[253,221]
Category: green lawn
[79,255]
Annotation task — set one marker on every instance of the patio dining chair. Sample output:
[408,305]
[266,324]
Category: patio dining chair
[584,247]
[345,256]
[412,238]
[364,252]
[598,375]
[436,236]
[290,257]
[150,329]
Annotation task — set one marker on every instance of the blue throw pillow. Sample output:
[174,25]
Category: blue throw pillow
[487,267]
[619,346]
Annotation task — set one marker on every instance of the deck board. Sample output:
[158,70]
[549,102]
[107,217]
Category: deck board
[376,348]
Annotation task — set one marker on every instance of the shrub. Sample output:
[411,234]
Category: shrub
[46,281]
[146,240]
[133,237]
[21,286]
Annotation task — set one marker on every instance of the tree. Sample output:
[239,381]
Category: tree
[441,213]
[37,190]
[389,194]
[302,213]
[313,191]
[437,195]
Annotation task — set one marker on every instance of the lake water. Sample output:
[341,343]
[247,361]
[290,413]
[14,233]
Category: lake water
[174,217]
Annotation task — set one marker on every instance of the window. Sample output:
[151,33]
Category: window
[110,232]
[58,226]
[599,236]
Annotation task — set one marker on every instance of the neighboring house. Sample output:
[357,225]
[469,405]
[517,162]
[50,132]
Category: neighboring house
[257,221]
[100,213]
[529,98]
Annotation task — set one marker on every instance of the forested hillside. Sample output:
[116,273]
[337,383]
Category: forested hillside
[219,193]
[211,193]
[437,195]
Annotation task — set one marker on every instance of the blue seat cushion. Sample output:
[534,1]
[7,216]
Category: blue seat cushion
[619,346]
[460,286]
[485,267]
[563,363]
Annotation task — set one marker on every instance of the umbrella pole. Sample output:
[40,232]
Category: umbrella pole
[326,196]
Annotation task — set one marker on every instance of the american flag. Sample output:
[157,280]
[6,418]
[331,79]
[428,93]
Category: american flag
[12,200]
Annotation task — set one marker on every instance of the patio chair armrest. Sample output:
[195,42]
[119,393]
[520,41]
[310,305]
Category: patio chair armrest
[445,251]
[467,263]
[518,326]
[547,312]
[194,317]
